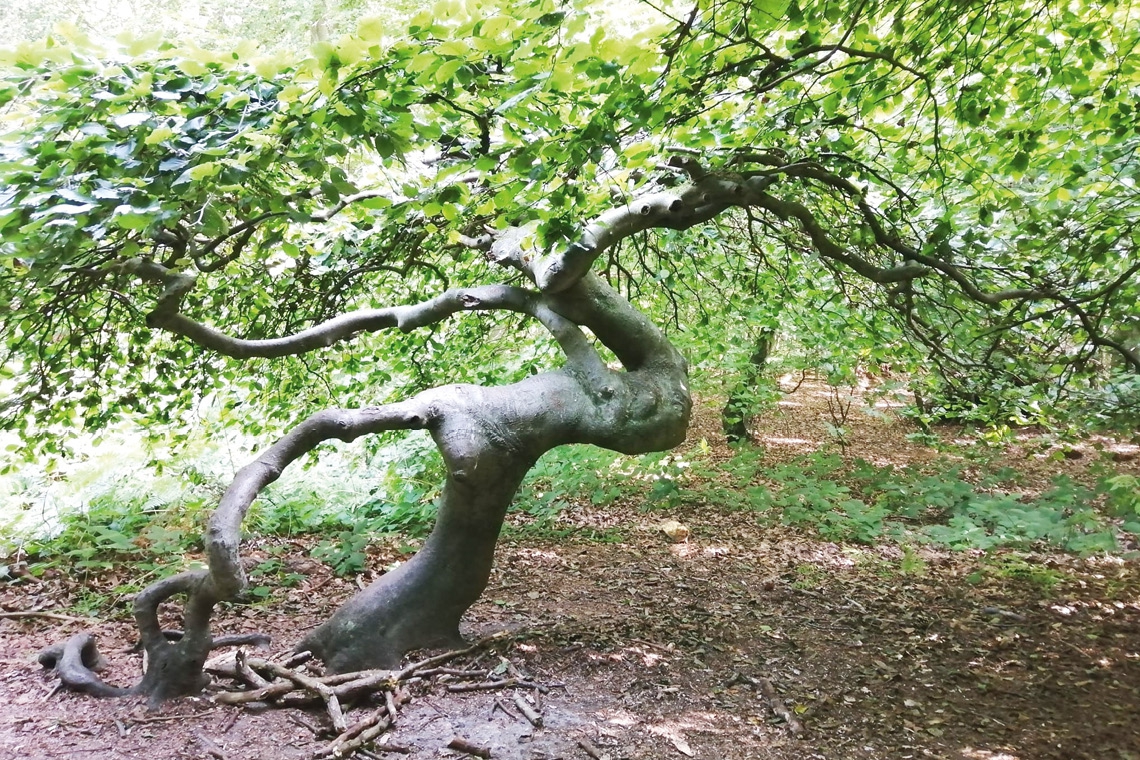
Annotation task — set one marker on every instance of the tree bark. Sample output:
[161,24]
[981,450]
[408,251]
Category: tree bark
[737,413]
[490,438]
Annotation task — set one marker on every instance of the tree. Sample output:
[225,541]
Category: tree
[966,174]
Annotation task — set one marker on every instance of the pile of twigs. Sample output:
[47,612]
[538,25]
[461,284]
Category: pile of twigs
[294,683]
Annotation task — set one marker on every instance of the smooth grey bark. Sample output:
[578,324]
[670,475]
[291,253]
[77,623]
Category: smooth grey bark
[490,438]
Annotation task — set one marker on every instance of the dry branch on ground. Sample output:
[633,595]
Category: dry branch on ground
[282,685]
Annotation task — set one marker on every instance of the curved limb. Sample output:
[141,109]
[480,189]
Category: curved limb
[167,315]
[175,667]
[75,661]
[223,532]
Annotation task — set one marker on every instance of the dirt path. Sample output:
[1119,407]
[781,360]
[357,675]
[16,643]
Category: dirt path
[657,650]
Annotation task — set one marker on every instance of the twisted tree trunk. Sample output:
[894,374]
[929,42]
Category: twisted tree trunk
[489,438]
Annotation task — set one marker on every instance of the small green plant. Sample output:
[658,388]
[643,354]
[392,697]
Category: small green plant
[839,405]
[925,438]
[809,576]
[912,562]
[1007,567]
[1124,497]
[277,571]
[118,526]
[550,530]
[577,475]
[293,512]
[345,553]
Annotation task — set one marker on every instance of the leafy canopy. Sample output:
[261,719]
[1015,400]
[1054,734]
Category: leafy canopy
[949,185]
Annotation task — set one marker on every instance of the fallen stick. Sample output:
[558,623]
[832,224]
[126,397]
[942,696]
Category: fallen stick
[776,705]
[168,718]
[384,748]
[299,658]
[500,706]
[589,748]
[459,688]
[272,691]
[517,683]
[439,659]
[304,723]
[999,612]
[462,745]
[377,680]
[528,712]
[457,672]
[342,686]
[332,703]
[347,744]
[390,702]
[47,615]
[361,725]
[246,672]
[228,722]
[210,748]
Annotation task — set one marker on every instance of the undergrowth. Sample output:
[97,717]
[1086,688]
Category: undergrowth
[938,503]
[132,532]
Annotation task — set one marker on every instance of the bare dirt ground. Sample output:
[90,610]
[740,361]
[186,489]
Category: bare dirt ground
[656,649]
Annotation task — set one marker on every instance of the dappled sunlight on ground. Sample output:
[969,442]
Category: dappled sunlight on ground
[540,555]
[882,651]
[984,754]
[800,443]
[693,551]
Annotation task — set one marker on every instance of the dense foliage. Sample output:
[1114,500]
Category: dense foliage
[948,190]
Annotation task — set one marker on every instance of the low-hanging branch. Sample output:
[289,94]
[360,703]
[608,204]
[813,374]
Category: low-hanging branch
[167,315]
[707,196]
[920,264]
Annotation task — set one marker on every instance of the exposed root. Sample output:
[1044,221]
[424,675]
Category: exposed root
[76,661]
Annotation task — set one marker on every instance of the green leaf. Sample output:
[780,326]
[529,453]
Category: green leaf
[453,47]
[131,220]
[447,70]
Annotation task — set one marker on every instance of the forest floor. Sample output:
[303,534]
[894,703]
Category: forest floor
[655,648]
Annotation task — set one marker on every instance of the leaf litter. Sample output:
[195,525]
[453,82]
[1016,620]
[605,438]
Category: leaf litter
[714,639]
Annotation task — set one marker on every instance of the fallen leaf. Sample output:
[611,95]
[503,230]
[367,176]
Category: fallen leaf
[681,745]
[676,531]
[675,737]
